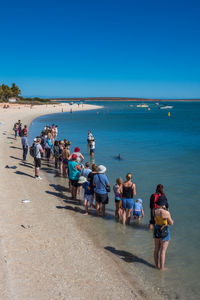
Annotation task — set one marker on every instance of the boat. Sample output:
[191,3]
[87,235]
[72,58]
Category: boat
[142,105]
[166,107]
[156,103]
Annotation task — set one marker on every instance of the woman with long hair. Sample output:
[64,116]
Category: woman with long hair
[128,191]
[153,199]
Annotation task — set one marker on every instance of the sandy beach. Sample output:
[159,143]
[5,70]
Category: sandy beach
[44,254]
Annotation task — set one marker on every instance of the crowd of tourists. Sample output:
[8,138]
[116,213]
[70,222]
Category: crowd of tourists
[95,184]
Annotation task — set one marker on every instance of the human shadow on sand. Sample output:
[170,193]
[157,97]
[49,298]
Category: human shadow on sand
[25,165]
[10,138]
[65,198]
[75,208]
[129,257]
[14,147]
[59,188]
[22,173]
[15,157]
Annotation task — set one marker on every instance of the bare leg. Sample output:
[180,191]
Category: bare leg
[129,216]
[163,250]
[156,251]
[124,216]
[86,207]
[116,210]
[97,208]
[103,208]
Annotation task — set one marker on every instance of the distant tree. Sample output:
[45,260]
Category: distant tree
[6,92]
[15,90]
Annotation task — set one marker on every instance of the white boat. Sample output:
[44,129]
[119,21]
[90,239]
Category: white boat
[166,107]
[156,103]
[142,105]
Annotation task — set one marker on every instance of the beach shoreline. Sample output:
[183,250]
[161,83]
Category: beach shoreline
[44,255]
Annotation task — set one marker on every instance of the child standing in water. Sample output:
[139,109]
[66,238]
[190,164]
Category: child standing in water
[138,209]
[118,201]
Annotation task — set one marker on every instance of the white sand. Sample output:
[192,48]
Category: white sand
[50,258]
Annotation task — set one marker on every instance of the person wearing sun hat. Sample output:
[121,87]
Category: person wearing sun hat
[101,185]
[138,209]
[88,193]
[162,220]
[80,157]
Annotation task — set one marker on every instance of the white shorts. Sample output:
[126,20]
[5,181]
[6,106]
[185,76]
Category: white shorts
[89,198]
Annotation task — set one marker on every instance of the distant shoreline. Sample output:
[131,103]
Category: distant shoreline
[113,99]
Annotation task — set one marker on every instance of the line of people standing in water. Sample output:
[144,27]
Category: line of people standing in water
[94,182]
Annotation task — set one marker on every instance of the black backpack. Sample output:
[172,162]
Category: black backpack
[32,150]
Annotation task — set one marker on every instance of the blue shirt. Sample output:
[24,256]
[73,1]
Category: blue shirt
[137,206]
[89,190]
[85,172]
[100,181]
[24,141]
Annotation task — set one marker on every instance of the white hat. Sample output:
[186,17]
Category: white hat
[35,140]
[101,169]
[82,179]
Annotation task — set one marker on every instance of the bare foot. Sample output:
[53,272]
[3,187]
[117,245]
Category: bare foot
[85,214]
[163,269]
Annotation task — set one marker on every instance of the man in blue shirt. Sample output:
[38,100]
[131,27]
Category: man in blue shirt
[24,141]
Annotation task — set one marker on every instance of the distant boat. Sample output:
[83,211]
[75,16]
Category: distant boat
[156,103]
[131,105]
[142,105]
[166,107]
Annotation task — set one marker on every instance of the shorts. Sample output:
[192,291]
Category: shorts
[65,161]
[74,182]
[91,151]
[102,198]
[137,213]
[167,238]
[37,162]
[117,200]
[127,203]
[89,198]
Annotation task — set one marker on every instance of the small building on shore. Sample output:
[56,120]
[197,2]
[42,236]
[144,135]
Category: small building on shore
[12,100]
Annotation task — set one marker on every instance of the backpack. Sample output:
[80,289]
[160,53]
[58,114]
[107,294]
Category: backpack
[155,199]
[32,151]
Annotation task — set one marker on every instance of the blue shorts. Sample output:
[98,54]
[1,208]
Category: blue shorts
[127,203]
[137,213]
[167,238]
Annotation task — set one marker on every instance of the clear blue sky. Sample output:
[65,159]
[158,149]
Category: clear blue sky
[82,48]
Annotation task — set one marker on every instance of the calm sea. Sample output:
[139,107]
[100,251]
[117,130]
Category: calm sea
[156,148]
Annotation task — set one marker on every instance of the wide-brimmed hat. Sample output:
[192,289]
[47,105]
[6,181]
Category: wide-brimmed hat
[77,149]
[82,179]
[101,169]
[162,201]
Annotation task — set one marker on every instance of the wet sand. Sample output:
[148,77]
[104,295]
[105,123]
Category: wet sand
[44,254]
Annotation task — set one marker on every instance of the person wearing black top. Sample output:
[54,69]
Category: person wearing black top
[153,200]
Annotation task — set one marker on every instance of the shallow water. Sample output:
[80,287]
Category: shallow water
[156,149]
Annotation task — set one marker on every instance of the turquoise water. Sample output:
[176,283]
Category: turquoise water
[156,149]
